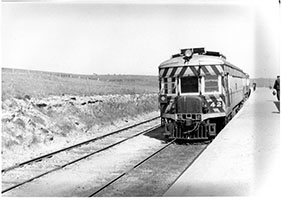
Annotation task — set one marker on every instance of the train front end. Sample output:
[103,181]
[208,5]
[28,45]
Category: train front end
[191,100]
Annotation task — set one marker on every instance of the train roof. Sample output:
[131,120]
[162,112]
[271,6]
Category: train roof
[179,60]
[195,60]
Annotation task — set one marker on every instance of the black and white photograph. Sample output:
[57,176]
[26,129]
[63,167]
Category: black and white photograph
[140,98]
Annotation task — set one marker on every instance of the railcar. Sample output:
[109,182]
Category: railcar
[199,92]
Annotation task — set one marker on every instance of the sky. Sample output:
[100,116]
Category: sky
[119,37]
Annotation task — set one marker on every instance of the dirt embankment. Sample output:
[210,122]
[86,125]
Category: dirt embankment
[32,126]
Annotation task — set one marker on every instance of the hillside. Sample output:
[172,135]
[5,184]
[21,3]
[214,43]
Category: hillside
[20,83]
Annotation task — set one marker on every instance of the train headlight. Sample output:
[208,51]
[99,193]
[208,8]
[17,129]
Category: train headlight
[188,53]
[162,99]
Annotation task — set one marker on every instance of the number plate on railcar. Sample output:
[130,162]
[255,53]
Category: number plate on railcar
[215,104]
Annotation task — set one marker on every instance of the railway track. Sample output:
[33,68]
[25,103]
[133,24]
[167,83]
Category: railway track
[22,173]
[146,178]
[132,168]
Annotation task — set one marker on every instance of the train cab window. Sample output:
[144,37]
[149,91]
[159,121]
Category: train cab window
[189,84]
[211,83]
[168,86]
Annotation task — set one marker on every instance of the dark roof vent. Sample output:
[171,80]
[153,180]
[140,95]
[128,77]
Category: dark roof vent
[194,50]
[199,50]
[214,53]
[176,55]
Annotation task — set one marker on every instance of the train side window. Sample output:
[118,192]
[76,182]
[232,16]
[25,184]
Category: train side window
[211,83]
[189,84]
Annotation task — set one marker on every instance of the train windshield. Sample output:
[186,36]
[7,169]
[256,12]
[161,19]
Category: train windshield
[211,83]
[189,84]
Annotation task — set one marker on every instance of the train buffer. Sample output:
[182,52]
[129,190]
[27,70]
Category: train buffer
[244,159]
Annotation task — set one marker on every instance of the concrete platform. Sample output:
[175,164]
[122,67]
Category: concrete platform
[244,158]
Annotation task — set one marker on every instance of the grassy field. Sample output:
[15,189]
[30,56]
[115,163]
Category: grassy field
[21,83]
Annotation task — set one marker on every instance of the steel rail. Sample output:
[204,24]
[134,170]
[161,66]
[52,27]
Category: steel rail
[74,146]
[135,166]
[81,158]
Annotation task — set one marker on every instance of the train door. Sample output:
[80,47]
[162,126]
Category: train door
[226,88]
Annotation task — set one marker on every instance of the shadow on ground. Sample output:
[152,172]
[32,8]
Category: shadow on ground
[158,134]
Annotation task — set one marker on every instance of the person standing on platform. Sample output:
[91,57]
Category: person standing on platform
[277,87]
